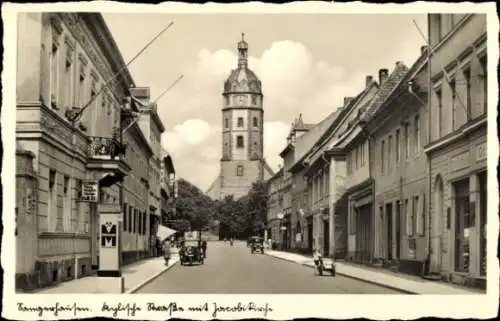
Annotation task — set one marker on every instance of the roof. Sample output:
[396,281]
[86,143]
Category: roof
[242,80]
[385,90]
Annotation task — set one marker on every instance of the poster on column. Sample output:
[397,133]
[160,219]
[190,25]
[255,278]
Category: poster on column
[108,235]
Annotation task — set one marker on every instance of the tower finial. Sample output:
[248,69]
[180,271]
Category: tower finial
[243,36]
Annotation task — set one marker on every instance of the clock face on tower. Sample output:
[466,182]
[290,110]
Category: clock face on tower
[241,100]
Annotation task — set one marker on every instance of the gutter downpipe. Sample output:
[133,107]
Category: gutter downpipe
[370,139]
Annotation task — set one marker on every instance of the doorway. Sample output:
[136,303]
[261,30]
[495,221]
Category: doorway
[388,211]
[398,229]
[310,235]
[462,224]
[437,226]
[326,237]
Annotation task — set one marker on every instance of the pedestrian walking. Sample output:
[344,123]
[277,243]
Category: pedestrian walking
[204,248]
[166,251]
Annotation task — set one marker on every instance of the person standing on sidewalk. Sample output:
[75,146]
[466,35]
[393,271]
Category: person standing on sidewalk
[166,251]
[204,248]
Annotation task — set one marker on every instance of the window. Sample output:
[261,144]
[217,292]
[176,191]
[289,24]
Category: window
[226,98]
[255,122]
[52,205]
[407,139]
[484,78]
[439,123]
[54,76]
[68,78]
[130,219]
[239,170]
[144,223]
[389,153]
[453,85]
[409,219]
[356,157]
[79,205]
[467,77]
[240,121]
[66,204]
[420,215]
[397,146]
[254,99]
[382,152]
[362,154]
[226,123]
[81,86]
[417,134]
[140,216]
[463,223]
[239,142]
[125,217]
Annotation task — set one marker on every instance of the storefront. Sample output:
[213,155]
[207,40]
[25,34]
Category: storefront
[459,174]
[360,224]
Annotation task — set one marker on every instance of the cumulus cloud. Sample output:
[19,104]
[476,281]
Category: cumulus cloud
[293,82]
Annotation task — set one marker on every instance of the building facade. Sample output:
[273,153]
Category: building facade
[63,62]
[400,169]
[458,147]
[168,189]
[152,127]
[274,208]
[242,161]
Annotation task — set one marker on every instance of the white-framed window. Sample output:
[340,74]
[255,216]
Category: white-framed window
[420,215]
[397,146]
[484,80]
[453,86]
[417,134]
[52,201]
[382,158]
[226,123]
[407,140]
[67,82]
[240,121]
[468,99]
[54,75]
[439,105]
[240,143]
[255,122]
[67,204]
[409,217]
[389,153]
[239,170]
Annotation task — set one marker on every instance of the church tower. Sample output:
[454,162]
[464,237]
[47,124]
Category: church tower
[242,161]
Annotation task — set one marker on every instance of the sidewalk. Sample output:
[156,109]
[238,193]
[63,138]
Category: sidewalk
[135,276]
[404,283]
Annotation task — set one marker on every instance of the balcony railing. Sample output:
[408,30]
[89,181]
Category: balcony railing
[105,147]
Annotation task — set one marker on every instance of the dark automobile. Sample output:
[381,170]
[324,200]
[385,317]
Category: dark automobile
[257,244]
[191,251]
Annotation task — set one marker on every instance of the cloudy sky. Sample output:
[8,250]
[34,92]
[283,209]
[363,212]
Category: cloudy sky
[307,64]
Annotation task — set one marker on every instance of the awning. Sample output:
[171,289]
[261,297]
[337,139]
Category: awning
[164,232]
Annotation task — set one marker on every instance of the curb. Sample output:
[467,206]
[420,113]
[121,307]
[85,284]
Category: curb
[150,279]
[351,277]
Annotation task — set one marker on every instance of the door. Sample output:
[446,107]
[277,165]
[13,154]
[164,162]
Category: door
[388,210]
[438,226]
[326,237]
[310,236]
[482,222]
[398,229]
[462,249]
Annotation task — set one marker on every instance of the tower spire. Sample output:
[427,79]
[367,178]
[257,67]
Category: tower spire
[242,52]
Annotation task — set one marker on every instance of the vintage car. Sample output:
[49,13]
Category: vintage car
[256,244]
[190,251]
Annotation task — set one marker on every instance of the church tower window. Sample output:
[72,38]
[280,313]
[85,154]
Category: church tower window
[226,100]
[226,123]
[239,142]
[255,122]
[240,121]
[254,98]
[239,170]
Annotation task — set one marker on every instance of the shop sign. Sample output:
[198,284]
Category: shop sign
[481,151]
[90,191]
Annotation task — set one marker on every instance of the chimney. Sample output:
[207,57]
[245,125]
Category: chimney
[347,100]
[423,49]
[369,80]
[382,75]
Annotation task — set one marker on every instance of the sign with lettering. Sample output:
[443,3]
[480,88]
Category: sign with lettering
[481,151]
[90,191]
[108,235]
